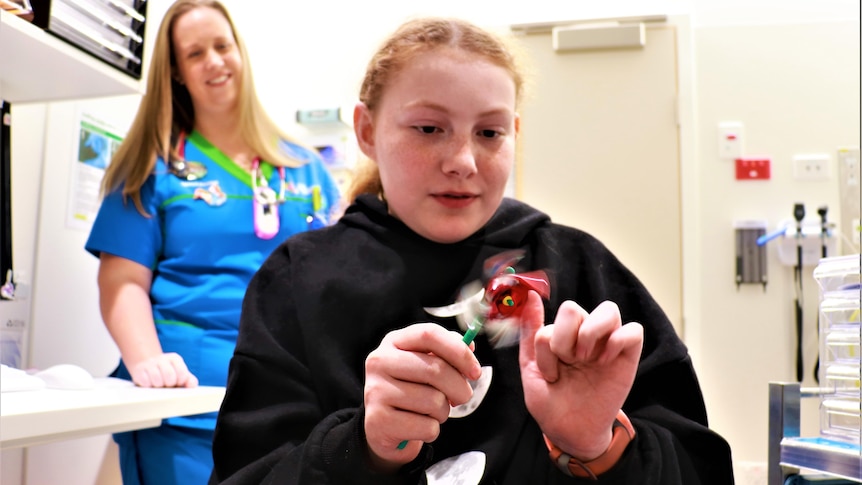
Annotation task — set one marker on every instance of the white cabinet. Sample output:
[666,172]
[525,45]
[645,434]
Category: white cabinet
[35,66]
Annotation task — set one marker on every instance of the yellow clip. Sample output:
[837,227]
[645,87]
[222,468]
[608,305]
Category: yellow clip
[316,200]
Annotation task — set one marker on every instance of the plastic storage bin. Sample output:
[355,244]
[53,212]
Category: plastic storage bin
[840,342]
[839,273]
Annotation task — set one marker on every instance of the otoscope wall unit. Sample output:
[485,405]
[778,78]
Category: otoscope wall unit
[811,238]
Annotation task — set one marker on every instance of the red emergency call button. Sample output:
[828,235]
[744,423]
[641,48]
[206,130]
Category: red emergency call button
[750,168]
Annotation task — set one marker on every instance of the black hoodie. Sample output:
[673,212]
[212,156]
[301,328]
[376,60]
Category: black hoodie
[293,412]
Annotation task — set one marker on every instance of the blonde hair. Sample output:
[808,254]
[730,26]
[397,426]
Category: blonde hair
[166,110]
[410,39]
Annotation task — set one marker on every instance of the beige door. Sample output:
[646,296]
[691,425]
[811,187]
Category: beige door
[599,151]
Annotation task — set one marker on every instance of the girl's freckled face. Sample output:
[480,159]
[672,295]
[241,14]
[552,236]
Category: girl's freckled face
[444,141]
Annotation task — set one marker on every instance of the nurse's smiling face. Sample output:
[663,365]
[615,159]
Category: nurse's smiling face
[208,60]
[443,137]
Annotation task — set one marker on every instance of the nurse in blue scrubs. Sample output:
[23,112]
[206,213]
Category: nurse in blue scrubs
[203,188]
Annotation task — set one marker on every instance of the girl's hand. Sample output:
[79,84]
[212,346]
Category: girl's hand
[411,380]
[577,372]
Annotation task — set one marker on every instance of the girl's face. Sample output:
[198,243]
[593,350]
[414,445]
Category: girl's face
[443,137]
[208,60]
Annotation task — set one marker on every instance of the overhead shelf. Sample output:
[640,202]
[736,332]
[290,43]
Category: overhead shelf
[35,66]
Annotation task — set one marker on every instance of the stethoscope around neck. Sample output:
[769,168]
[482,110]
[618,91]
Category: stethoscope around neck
[265,200]
[182,168]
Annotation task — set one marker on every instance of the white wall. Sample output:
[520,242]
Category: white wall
[796,89]
[740,340]
[64,273]
[319,55]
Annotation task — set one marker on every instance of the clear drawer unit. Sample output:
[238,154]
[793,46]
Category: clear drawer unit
[840,408]
[840,336]
[837,450]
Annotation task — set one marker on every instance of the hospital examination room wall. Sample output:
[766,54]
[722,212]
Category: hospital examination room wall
[787,70]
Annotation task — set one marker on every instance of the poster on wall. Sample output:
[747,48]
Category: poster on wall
[95,145]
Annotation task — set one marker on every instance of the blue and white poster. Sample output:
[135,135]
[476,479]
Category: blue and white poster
[96,144]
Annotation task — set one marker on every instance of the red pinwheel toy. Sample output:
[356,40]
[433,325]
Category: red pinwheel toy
[496,308]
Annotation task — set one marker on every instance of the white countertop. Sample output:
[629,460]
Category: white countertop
[35,417]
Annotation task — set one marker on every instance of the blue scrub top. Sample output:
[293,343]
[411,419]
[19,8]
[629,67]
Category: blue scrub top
[200,243]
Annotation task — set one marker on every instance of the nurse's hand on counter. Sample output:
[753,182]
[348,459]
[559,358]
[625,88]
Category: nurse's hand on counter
[163,370]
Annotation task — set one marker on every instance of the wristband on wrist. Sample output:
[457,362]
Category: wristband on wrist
[623,434]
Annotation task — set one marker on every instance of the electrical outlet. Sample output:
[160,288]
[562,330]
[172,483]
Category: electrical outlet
[811,167]
[730,140]
[849,175]
[848,164]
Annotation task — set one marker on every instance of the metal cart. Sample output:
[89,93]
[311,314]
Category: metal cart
[789,452]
